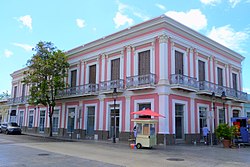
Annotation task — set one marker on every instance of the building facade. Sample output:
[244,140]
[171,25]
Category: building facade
[159,64]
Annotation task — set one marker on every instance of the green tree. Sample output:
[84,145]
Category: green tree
[4,95]
[47,70]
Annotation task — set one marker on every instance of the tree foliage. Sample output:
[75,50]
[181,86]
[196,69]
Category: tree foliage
[47,70]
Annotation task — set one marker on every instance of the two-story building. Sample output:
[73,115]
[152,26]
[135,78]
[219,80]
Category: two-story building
[158,64]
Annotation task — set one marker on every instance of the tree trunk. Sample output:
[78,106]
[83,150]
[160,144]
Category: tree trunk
[51,111]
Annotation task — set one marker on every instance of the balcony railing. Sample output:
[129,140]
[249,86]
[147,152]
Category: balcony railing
[205,86]
[184,82]
[18,100]
[110,85]
[87,89]
[140,81]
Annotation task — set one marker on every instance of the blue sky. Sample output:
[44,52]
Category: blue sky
[71,23]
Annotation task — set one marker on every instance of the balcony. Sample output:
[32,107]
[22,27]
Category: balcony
[207,88]
[183,82]
[141,82]
[82,90]
[108,86]
[18,100]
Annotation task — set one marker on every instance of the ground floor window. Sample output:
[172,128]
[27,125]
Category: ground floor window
[71,119]
[248,114]
[236,113]
[55,121]
[31,117]
[222,116]
[179,121]
[203,119]
[21,115]
[90,120]
[42,121]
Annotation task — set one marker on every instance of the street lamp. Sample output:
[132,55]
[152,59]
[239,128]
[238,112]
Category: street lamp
[114,94]
[223,97]
[211,117]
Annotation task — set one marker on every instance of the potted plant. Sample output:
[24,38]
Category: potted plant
[225,133]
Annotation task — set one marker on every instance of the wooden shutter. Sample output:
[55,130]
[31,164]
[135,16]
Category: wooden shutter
[73,78]
[178,63]
[144,63]
[234,76]
[15,91]
[220,76]
[115,69]
[201,65]
[23,90]
[92,74]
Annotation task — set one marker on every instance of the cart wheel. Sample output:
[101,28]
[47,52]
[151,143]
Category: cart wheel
[138,146]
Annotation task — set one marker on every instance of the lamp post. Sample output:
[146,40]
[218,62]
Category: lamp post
[211,117]
[223,97]
[114,114]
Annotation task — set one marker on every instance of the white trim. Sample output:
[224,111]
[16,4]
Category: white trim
[185,62]
[127,115]
[223,73]
[208,112]
[67,115]
[192,115]
[108,109]
[237,79]
[163,110]
[206,67]
[77,77]
[109,66]
[87,72]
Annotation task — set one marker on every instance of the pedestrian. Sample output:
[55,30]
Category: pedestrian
[135,132]
[205,131]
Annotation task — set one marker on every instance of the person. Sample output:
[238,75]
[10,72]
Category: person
[205,131]
[135,132]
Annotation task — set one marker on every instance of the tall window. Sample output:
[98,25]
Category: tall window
[71,119]
[15,91]
[234,77]
[55,121]
[21,118]
[42,121]
[115,69]
[222,118]
[73,78]
[248,115]
[144,63]
[178,63]
[31,115]
[23,91]
[201,65]
[92,74]
[220,76]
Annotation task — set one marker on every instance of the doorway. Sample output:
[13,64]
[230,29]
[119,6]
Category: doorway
[42,121]
[90,122]
[203,119]
[114,122]
[179,121]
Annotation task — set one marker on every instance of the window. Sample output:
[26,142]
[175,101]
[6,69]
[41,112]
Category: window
[144,63]
[236,113]
[73,78]
[248,115]
[21,118]
[221,116]
[23,91]
[234,77]
[220,76]
[201,67]
[115,69]
[42,121]
[15,91]
[178,63]
[31,115]
[55,121]
[92,74]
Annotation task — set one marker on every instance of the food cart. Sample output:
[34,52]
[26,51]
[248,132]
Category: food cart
[241,124]
[146,134]
[145,128]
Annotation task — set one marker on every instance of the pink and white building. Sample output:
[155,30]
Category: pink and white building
[158,64]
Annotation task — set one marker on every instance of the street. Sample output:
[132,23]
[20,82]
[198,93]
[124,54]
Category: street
[30,151]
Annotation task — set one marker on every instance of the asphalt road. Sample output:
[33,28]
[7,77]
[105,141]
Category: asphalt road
[23,150]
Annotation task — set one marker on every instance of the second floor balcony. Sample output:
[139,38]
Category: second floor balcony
[82,90]
[108,86]
[18,100]
[207,88]
[141,82]
[179,81]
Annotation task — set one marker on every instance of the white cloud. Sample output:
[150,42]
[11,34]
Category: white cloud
[210,2]
[26,21]
[94,29]
[162,7]
[7,53]
[141,16]
[228,37]
[233,3]
[121,19]
[193,18]
[26,47]
[80,23]
[246,90]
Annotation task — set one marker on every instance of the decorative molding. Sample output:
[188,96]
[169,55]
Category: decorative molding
[163,38]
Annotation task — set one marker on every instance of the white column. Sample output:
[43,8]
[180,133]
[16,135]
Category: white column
[240,80]
[101,110]
[192,116]
[127,114]
[185,63]
[62,115]
[163,57]
[152,58]
[122,65]
[196,64]
[128,61]
[228,79]
[97,70]
[103,67]
[82,72]
[163,110]
[191,58]
[25,116]
[211,69]
[172,59]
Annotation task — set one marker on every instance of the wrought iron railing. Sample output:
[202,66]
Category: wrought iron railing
[79,90]
[110,85]
[217,89]
[140,81]
[18,100]
[185,81]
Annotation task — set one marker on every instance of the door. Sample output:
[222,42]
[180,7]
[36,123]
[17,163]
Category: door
[179,121]
[90,121]
[21,119]
[203,119]
[42,121]
[115,120]
[71,120]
